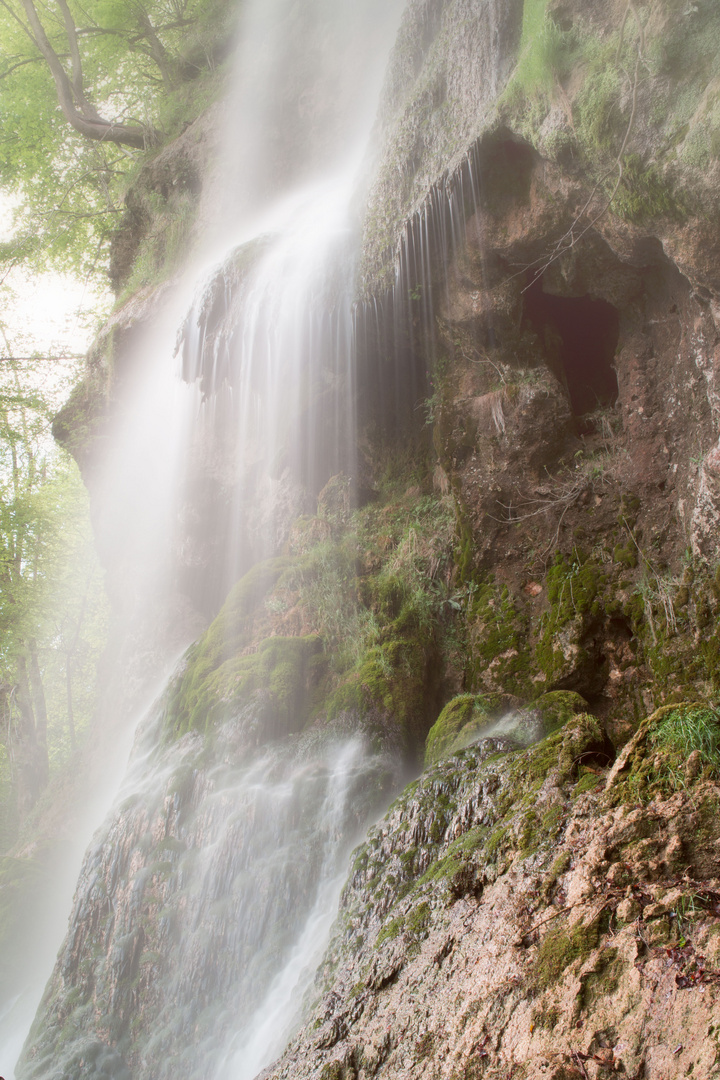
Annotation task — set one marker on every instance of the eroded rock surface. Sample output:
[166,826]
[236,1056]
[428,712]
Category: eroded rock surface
[513,917]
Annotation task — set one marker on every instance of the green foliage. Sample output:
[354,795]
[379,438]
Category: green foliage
[645,195]
[52,606]
[546,51]
[662,755]
[458,723]
[685,730]
[143,64]
[276,680]
[600,120]
[329,589]
[395,609]
[218,675]
[164,245]
[371,586]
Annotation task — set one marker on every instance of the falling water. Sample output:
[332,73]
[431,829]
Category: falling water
[206,896]
[204,903]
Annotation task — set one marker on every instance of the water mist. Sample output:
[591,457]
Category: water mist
[206,896]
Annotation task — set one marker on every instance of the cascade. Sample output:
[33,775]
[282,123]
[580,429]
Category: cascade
[206,895]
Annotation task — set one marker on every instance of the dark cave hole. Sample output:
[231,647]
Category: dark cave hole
[580,336]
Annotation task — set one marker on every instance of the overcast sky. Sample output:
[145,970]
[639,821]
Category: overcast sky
[45,313]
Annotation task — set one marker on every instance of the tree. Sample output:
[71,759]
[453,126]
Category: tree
[76,108]
[86,90]
[52,607]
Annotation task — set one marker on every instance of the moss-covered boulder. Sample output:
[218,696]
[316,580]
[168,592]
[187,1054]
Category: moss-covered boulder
[674,749]
[242,661]
[557,707]
[460,723]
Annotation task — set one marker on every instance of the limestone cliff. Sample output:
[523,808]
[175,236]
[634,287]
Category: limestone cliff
[559,281]
[527,916]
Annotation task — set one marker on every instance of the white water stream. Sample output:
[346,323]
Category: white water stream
[255,411]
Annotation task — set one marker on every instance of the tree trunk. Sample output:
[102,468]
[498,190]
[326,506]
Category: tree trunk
[29,771]
[157,49]
[40,709]
[70,712]
[91,126]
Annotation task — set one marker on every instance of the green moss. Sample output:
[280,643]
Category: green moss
[658,764]
[573,587]
[600,121]
[561,947]
[586,782]
[232,628]
[278,677]
[546,1018]
[546,52]
[603,980]
[558,707]
[676,624]
[417,920]
[499,640]
[625,555]
[645,195]
[560,752]
[552,819]
[561,864]
[424,1046]
[687,729]
[390,931]
[333,1070]
[461,719]
[456,870]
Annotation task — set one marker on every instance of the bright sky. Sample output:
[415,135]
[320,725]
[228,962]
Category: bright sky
[50,314]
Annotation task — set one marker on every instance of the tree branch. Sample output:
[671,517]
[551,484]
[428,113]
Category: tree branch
[88,111]
[157,49]
[19,64]
[92,128]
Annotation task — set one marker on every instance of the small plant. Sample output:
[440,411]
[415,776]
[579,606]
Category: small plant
[691,729]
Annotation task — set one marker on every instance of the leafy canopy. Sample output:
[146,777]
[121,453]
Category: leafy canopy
[123,65]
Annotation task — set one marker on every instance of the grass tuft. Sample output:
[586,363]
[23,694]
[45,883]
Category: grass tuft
[688,729]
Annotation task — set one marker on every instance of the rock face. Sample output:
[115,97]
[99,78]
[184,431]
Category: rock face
[548,231]
[194,893]
[554,273]
[521,916]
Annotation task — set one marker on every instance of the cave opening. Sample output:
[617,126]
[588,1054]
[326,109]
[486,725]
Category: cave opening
[580,336]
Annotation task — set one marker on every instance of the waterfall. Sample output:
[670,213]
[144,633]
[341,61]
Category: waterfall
[204,904]
[207,892]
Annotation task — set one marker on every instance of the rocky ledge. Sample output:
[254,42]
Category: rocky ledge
[540,912]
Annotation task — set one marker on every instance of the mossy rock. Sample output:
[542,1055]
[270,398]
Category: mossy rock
[561,947]
[334,501]
[675,748]
[557,707]
[581,738]
[395,677]
[221,677]
[460,722]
